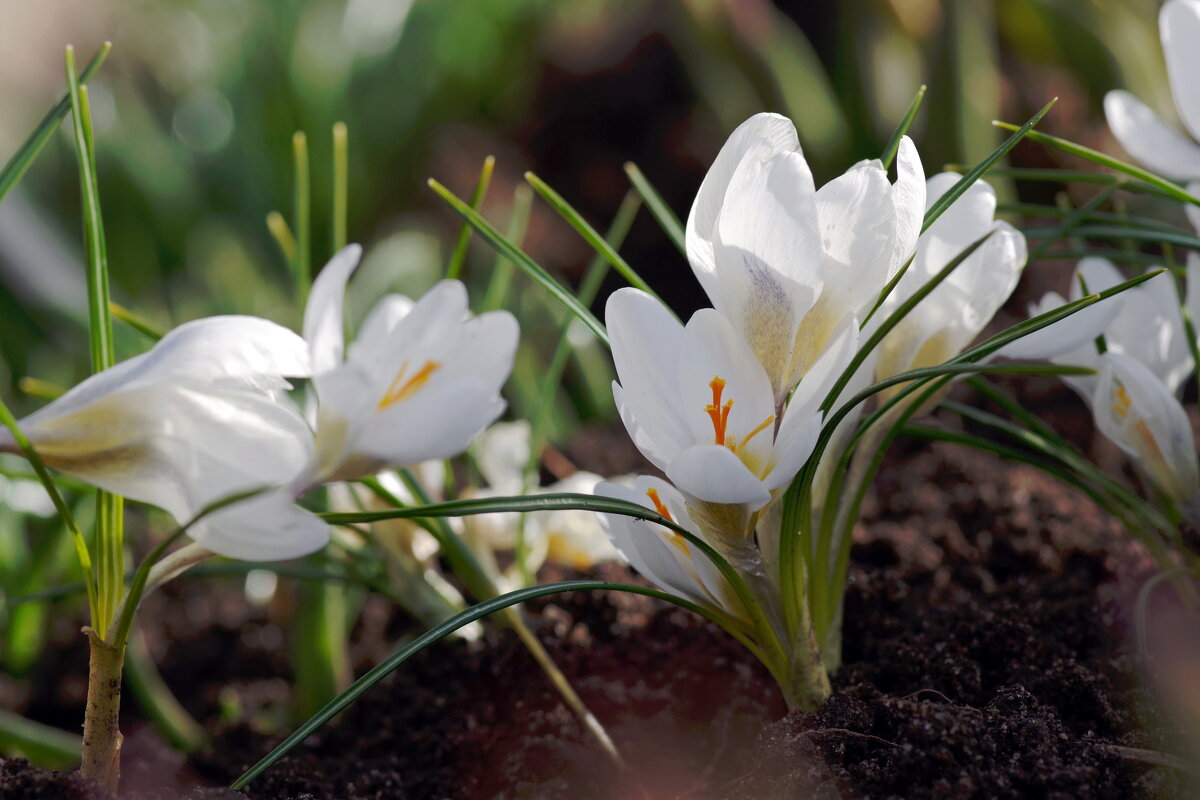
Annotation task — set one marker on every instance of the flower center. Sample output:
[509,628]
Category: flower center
[719,414]
[403,387]
[1122,404]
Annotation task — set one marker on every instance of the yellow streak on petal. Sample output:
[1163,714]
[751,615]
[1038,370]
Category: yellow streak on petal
[400,389]
[1122,404]
[659,506]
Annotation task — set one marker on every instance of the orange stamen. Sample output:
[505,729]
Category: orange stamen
[719,414]
[400,389]
[659,506]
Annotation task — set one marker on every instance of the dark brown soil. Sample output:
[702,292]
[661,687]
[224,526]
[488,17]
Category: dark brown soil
[985,656]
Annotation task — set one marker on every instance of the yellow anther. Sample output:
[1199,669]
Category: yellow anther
[400,389]
[762,426]
[1121,407]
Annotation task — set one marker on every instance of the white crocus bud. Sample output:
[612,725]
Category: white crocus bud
[790,266]
[199,418]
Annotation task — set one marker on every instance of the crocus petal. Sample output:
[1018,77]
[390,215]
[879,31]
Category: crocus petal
[768,249]
[646,345]
[643,544]
[819,379]
[323,315]
[1179,27]
[1067,335]
[267,527]
[793,445]
[487,347]
[233,351]
[374,335]
[858,231]
[715,475]
[176,448]
[1134,409]
[1148,139]
[908,200]
[760,138]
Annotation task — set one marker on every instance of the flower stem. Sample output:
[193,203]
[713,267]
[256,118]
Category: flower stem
[546,662]
[808,680]
[101,725]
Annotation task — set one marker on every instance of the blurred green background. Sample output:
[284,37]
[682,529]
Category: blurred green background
[197,104]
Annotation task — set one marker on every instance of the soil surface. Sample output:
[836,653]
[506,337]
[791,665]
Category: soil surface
[986,656]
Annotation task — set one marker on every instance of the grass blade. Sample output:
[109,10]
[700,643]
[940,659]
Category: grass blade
[459,255]
[136,321]
[502,271]
[21,160]
[1096,157]
[589,234]
[523,261]
[397,659]
[666,218]
[302,209]
[956,191]
[889,152]
[341,184]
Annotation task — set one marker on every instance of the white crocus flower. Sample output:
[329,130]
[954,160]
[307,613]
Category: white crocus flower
[420,381]
[790,266]
[952,315]
[197,419]
[665,558]
[699,406]
[1152,141]
[1134,399]
[1138,412]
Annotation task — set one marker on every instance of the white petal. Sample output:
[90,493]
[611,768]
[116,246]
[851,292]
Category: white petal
[715,475]
[646,347]
[1148,139]
[657,445]
[858,231]
[769,258]
[376,329]
[437,422]
[268,527]
[644,545]
[1179,26]
[908,198]
[323,315]
[819,379]
[487,348]
[760,137]
[793,445]
[177,448]
[232,351]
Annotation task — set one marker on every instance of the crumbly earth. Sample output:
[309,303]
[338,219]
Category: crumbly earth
[986,656]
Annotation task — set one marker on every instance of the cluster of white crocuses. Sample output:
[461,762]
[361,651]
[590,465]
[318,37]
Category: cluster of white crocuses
[729,405]
[206,415]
